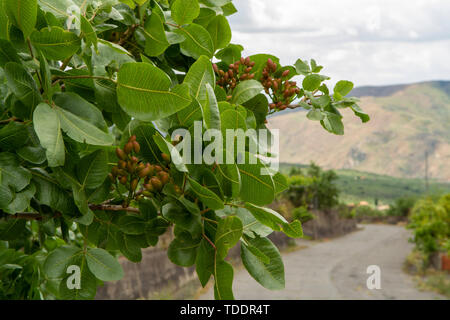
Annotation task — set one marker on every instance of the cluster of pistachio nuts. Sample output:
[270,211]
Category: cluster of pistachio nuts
[283,90]
[238,71]
[129,171]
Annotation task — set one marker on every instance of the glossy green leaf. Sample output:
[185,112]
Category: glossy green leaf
[245,91]
[48,129]
[197,41]
[312,82]
[185,11]
[208,197]
[223,281]
[156,42]
[22,14]
[220,32]
[256,187]
[229,231]
[88,32]
[200,74]
[183,250]
[22,84]
[269,274]
[103,265]
[204,263]
[93,169]
[7,53]
[144,92]
[56,264]
[56,43]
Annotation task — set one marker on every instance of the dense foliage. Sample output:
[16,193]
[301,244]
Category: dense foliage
[430,222]
[313,187]
[90,92]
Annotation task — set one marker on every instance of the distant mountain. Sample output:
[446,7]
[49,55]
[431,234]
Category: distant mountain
[408,122]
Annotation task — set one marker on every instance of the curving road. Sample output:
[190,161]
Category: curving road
[336,269]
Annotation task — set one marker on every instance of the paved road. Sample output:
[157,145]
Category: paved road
[336,269]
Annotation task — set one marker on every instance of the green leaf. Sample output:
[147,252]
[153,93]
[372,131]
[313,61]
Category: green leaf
[232,119]
[269,274]
[88,283]
[88,33]
[7,53]
[46,77]
[93,169]
[293,229]
[302,67]
[259,106]
[200,74]
[267,216]
[155,37]
[198,41]
[59,259]
[81,130]
[55,43]
[185,11]
[220,32]
[315,115]
[144,92]
[223,281]
[103,265]
[312,82]
[342,88]
[11,229]
[13,136]
[208,197]
[280,182]
[230,54]
[130,247]
[22,14]
[183,250]
[211,113]
[256,187]
[333,123]
[204,263]
[275,221]
[132,225]
[5,24]
[21,200]
[148,209]
[245,91]
[184,219]
[22,84]
[13,177]
[48,129]
[360,113]
[81,108]
[229,231]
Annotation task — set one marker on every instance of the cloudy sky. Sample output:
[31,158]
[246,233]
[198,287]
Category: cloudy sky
[370,42]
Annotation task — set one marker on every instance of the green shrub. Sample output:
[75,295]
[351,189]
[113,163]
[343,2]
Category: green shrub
[430,222]
[302,214]
[402,207]
[366,211]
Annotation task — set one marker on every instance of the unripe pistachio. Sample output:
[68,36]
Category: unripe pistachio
[244,76]
[177,189]
[144,172]
[242,60]
[285,73]
[134,184]
[121,154]
[272,106]
[141,166]
[165,157]
[252,64]
[128,147]
[229,98]
[123,180]
[221,72]
[247,70]
[216,68]
[131,167]
[157,168]
[251,76]
[247,61]
[136,147]
[111,177]
[134,159]
[122,164]
[156,183]
[164,177]
[275,85]
[132,138]
[149,187]
[115,171]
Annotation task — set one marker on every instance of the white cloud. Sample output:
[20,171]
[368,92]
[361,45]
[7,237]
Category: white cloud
[369,42]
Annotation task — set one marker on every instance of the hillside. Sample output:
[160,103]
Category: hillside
[407,121]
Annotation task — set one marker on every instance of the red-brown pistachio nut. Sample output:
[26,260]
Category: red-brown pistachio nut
[121,154]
